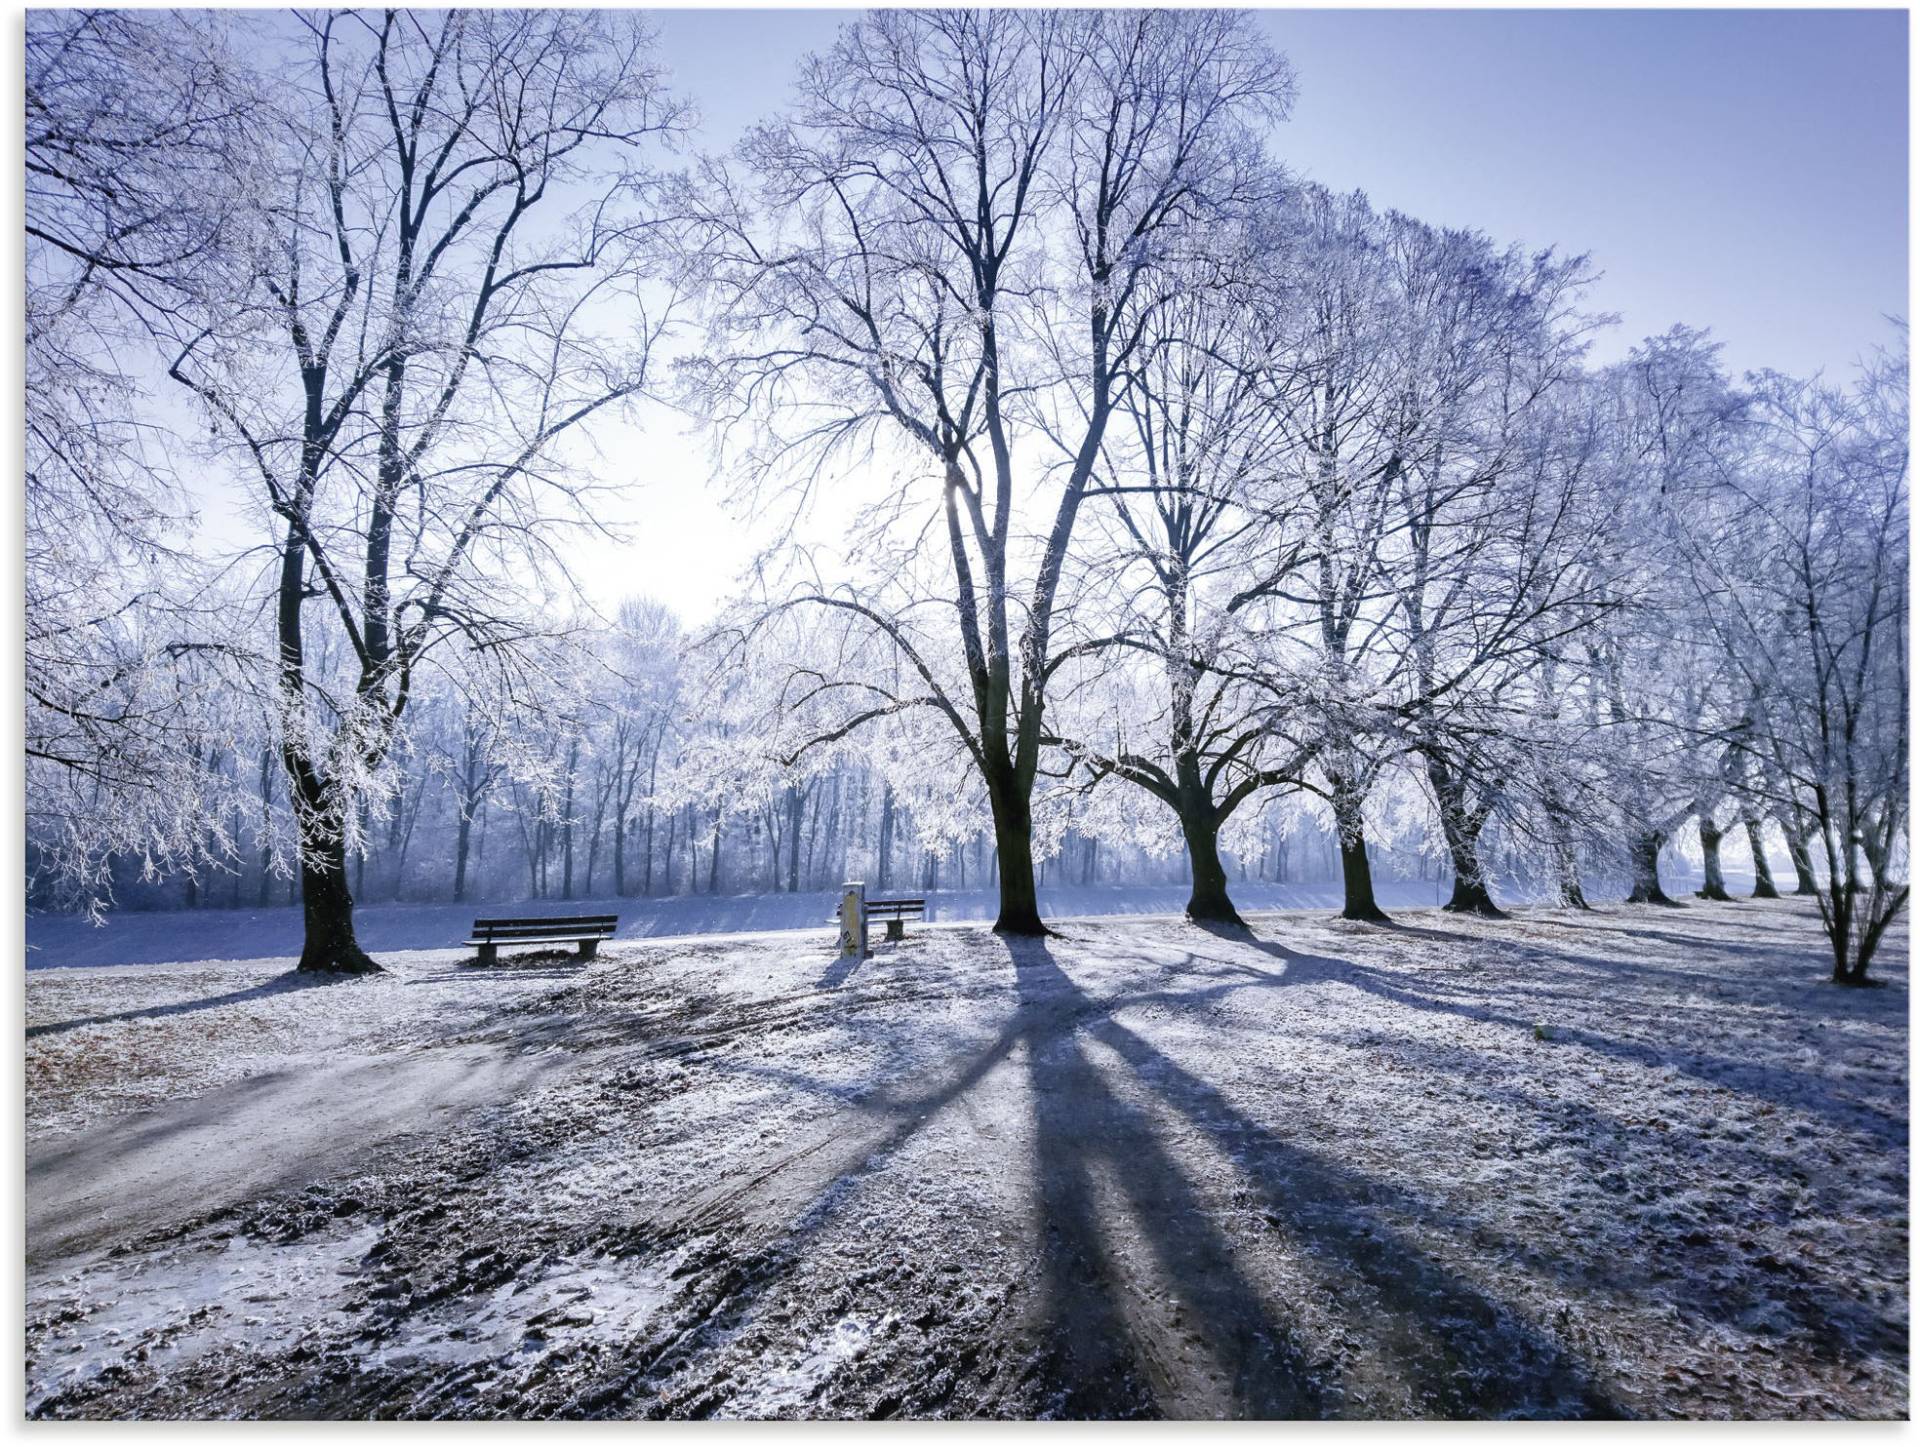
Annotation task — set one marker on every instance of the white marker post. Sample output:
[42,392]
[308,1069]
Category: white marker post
[853,920]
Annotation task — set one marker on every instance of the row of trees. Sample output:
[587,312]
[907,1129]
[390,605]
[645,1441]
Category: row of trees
[625,782]
[1199,508]
[1214,484]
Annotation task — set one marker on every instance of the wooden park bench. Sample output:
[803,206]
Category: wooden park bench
[895,913]
[856,912]
[584,930]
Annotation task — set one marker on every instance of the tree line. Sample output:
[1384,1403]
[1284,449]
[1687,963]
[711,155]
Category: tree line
[1199,510]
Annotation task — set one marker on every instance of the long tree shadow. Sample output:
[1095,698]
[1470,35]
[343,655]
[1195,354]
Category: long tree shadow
[1817,968]
[1086,1135]
[291,981]
[1119,1214]
[1658,1254]
[1833,1319]
[1456,1351]
[1111,1196]
[1103,1374]
[1771,1081]
[1785,988]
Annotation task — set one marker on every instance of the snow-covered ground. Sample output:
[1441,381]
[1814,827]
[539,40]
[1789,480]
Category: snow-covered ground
[1640,1162]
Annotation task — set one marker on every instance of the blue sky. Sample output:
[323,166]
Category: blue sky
[1740,170]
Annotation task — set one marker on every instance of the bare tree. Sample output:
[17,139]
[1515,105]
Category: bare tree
[1330,315]
[133,124]
[963,234]
[1673,420]
[1490,529]
[1202,542]
[1812,613]
[446,281]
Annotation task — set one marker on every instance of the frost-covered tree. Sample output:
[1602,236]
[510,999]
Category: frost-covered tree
[445,278]
[1810,613]
[134,122]
[953,246]
[1194,544]
[1330,316]
[1489,529]
[1673,425]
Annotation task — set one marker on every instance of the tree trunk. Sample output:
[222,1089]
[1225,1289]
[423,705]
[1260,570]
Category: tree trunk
[796,805]
[884,866]
[814,848]
[1013,848]
[646,868]
[1470,893]
[462,843]
[1714,885]
[1804,882]
[1840,932]
[620,853]
[1644,853]
[328,903]
[1763,885]
[1471,896]
[1356,870]
[1356,873]
[1566,869]
[1566,863]
[566,825]
[266,826]
[1208,899]
[529,843]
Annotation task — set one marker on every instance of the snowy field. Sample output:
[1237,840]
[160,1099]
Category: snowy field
[1642,1162]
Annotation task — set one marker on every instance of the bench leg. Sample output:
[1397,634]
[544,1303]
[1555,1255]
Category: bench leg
[896,929]
[489,954]
[587,948]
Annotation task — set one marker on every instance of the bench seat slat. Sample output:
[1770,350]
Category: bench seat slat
[555,940]
[538,939]
[509,934]
[546,924]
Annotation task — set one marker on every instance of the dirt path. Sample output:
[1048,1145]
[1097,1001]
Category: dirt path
[1633,1165]
[144,1175]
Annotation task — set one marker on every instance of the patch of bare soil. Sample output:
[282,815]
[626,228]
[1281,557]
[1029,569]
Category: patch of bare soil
[1637,1163]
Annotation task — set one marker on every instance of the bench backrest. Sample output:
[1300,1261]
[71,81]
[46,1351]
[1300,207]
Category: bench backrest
[894,905]
[581,926]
